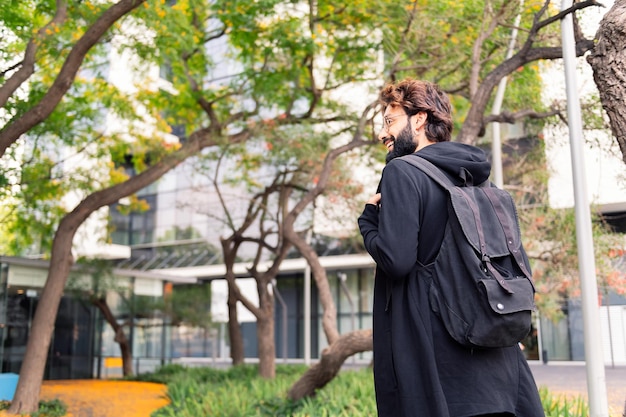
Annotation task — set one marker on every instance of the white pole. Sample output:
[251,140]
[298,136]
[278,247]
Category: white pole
[496,143]
[596,382]
[307,307]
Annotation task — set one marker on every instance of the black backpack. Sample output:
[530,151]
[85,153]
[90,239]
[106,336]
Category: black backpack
[481,286]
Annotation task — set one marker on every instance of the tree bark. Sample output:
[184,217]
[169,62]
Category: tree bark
[120,336]
[26,397]
[234,331]
[608,61]
[265,335]
[229,249]
[333,357]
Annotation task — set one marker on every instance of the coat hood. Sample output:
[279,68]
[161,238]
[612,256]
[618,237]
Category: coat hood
[457,159]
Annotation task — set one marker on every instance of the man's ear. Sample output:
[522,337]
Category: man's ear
[420,120]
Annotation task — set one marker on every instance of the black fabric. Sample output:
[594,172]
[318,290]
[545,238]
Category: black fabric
[481,286]
[419,370]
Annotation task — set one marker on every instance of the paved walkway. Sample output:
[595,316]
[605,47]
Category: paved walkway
[570,378]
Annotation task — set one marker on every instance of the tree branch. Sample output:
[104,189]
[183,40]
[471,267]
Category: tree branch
[28,63]
[40,111]
[508,117]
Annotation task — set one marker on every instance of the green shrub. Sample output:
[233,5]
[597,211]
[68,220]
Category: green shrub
[52,408]
[562,406]
[240,392]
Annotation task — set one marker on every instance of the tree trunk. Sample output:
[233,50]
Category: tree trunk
[26,399]
[267,347]
[234,330]
[265,333]
[127,353]
[120,336]
[333,357]
[608,61]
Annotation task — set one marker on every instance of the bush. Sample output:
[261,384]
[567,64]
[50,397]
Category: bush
[562,406]
[240,392]
[52,408]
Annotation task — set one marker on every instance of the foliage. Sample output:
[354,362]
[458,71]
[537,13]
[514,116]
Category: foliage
[189,305]
[94,278]
[562,406]
[51,408]
[238,391]
[42,176]
[550,233]
[279,74]
[447,45]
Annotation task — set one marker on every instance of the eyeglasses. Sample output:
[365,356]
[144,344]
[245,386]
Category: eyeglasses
[388,121]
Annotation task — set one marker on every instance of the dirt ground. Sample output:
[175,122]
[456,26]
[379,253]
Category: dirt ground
[105,398]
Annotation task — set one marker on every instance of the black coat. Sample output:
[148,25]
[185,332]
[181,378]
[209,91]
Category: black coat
[419,370]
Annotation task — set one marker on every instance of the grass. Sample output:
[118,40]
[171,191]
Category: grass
[562,406]
[239,392]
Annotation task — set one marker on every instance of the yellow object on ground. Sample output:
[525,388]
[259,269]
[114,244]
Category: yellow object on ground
[108,398]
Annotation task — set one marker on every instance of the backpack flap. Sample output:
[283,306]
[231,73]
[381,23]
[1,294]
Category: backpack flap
[495,243]
[502,302]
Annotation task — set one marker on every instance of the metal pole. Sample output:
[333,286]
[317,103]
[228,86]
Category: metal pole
[343,277]
[284,315]
[307,306]
[539,339]
[4,274]
[596,382]
[496,143]
[608,319]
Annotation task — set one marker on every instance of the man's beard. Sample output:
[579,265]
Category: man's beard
[403,144]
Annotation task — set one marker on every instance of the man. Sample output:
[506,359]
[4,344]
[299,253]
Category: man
[419,370]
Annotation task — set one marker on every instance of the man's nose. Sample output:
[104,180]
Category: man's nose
[382,135]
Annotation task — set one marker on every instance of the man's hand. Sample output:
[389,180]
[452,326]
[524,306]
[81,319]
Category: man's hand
[375,199]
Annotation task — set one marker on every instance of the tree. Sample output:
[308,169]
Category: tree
[280,177]
[287,64]
[187,306]
[24,119]
[483,66]
[206,115]
[549,234]
[608,60]
[94,289]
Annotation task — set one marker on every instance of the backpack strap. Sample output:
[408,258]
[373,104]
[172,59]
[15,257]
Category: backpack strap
[435,173]
[429,169]
[483,244]
[508,230]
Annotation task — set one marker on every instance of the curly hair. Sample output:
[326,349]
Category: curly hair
[416,96]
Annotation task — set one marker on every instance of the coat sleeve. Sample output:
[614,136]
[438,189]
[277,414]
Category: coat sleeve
[390,235]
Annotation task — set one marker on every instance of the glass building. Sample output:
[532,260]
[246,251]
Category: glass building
[83,342]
